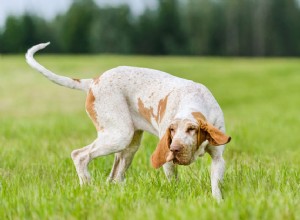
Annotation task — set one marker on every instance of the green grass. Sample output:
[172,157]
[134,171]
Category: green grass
[41,123]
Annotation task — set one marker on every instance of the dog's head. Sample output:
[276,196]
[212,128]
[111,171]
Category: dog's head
[183,138]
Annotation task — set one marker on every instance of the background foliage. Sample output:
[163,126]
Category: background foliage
[193,27]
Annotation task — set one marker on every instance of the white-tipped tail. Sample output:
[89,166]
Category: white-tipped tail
[80,84]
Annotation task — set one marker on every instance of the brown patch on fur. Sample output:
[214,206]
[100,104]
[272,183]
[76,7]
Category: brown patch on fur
[208,132]
[147,113]
[201,133]
[90,108]
[97,80]
[198,116]
[161,110]
[77,80]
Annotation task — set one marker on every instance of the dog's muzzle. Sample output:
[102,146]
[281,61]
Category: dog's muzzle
[178,155]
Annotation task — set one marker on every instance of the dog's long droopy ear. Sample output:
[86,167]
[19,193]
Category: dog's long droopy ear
[209,132]
[159,157]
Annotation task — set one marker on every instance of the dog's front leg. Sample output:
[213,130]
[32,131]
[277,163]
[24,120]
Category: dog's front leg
[217,170]
[170,171]
[217,173]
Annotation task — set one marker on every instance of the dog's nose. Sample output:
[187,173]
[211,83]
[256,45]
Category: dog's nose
[175,148]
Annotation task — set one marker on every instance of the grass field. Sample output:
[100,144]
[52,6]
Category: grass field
[41,123]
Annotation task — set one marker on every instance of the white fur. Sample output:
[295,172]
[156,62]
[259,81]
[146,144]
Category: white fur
[61,80]
[201,150]
[116,105]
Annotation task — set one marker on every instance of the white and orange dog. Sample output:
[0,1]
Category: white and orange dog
[125,101]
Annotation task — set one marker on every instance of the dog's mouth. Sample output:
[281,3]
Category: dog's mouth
[180,159]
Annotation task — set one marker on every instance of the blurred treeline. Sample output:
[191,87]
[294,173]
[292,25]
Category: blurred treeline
[192,27]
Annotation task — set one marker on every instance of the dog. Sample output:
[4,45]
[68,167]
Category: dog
[125,101]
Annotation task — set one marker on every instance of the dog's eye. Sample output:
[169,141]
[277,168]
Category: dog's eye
[172,131]
[190,129]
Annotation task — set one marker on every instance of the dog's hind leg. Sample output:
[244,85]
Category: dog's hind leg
[81,164]
[106,143]
[124,158]
[113,123]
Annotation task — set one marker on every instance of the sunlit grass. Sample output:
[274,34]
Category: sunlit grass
[41,123]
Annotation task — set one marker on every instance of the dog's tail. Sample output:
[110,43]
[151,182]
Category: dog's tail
[80,84]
